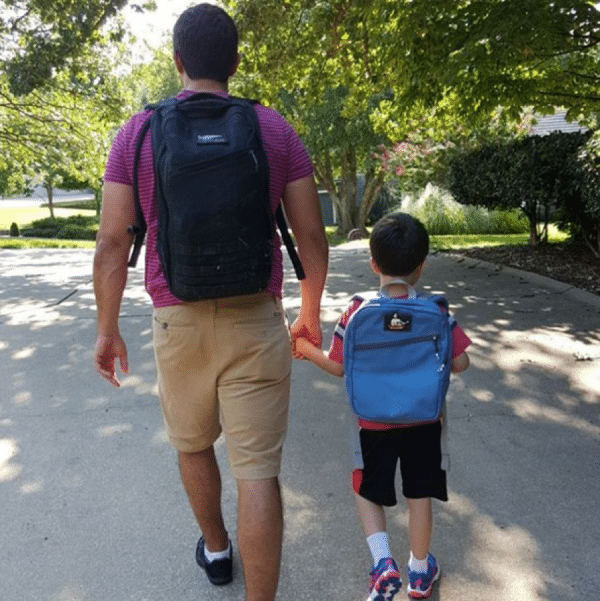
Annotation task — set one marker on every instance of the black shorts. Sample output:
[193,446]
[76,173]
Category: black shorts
[419,450]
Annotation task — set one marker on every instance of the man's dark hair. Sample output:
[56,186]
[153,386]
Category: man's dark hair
[205,38]
[399,244]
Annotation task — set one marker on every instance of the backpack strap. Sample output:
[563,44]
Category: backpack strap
[138,229]
[280,216]
[289,243]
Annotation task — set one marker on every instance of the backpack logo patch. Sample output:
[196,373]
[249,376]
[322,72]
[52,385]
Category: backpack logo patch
[211,139]
[397,322]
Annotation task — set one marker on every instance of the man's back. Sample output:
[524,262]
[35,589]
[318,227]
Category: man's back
[287,160]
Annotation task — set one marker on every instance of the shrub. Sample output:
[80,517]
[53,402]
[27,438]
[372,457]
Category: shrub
[442,215]
[75,227]
[14,230]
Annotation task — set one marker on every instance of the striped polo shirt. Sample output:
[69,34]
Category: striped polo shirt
[287,158]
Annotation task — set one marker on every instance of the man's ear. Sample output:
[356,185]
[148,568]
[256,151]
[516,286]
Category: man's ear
[178,63]
[235,66]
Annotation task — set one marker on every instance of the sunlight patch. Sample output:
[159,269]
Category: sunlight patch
[106,431]
[24,353]
[8,450]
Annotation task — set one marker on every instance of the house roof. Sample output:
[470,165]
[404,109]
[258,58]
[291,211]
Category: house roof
[546,124]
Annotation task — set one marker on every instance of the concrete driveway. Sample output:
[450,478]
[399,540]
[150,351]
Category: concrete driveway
[90,500]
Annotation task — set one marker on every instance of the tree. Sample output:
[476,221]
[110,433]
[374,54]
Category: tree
[59,96]
[59,132]
[512,53]
[539,175]
[42,37]
[149,82]
[399,62]
[315,63]
[581,216]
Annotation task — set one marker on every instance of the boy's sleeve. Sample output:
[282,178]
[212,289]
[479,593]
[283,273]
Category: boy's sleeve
[336,349]
[460,341]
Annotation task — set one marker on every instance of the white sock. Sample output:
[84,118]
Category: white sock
[379,546]
[219,554]
[417,565]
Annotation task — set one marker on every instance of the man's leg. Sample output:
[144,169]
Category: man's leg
[260,536]
[202,482]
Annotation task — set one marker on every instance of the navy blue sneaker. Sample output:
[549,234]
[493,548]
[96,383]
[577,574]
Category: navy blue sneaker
[385,580]
[420,584]
[219,571]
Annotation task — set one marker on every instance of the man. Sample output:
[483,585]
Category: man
[223,365]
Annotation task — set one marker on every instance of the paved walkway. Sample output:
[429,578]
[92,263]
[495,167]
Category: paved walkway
[92,507]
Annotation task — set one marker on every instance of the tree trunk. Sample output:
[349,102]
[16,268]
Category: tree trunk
[49,192]
[373,185]
[98,199]
[530,210]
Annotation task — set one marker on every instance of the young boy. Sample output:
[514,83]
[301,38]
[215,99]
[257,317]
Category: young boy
[399,245]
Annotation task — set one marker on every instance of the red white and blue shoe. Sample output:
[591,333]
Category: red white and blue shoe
[386,580]
[420,584]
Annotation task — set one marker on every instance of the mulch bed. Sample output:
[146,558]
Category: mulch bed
[566,263]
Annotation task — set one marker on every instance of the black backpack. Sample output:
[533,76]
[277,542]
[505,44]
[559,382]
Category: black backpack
[215,226]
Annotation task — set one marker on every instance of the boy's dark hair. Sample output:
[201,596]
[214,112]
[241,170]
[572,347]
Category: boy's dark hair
[205,38]
[399,244]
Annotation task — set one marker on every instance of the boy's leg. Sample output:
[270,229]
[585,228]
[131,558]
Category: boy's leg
[423,569]
[371,516]
[372,520]
[385,580]
[420,526]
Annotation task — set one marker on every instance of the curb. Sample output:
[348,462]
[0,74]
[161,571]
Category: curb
[573,292]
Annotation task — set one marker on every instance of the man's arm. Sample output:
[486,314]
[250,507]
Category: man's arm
[303,211]
[113,243]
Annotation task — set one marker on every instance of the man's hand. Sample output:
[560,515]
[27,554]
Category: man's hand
[305,328]
[108,349]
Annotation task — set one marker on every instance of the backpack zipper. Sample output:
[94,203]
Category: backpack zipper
[378,345]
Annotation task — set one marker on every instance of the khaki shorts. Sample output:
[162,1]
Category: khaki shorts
[224,365]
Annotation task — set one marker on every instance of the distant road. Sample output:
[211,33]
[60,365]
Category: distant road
[36,201]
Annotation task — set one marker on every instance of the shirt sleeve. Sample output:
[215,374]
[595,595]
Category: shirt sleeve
[116,164]
[336,349]
[300,164]
[460,341]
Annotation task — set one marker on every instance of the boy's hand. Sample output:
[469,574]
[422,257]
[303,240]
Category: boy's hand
[301,348]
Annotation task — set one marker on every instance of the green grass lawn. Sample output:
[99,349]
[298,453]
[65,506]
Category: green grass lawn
[475,240]
[451,242]
[24,216]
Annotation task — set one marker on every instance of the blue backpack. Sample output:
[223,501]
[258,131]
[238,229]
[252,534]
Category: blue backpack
[397,358]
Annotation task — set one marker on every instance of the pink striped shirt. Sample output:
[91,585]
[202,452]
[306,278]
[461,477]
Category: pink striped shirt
[288,162]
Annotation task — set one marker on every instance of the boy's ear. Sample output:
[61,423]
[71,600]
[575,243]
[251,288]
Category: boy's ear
[374,266]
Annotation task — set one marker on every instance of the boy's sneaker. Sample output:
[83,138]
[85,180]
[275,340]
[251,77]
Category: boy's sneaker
[420,584]
[219,571]
[385,580]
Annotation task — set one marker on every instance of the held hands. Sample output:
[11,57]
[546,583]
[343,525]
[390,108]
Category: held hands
[108,349]
[304,328]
